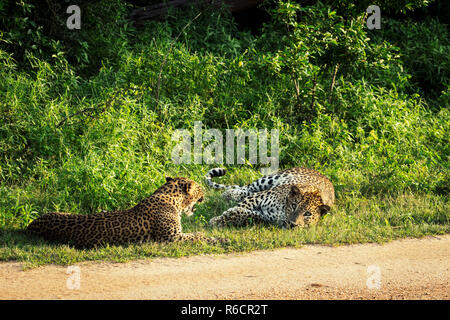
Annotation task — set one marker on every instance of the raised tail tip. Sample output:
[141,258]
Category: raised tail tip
[216,172]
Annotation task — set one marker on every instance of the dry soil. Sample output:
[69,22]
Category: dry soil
[402,269]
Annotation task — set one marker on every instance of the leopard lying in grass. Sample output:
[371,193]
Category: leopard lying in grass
[289,198]
[156,218]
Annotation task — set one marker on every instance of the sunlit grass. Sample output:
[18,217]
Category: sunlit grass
[352,220]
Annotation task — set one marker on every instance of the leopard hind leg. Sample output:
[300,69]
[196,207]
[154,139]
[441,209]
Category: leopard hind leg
[237,217]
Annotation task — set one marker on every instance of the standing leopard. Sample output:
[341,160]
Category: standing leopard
[156,218]
[288,198]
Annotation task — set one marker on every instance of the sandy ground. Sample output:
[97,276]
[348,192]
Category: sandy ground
[403,269]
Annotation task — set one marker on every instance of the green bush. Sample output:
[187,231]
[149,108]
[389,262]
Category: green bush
[39,29]
[423,48]
[354,8]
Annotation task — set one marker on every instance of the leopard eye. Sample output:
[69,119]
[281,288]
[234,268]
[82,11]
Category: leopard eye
[307,214]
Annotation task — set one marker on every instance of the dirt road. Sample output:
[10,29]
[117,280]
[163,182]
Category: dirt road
[403,269]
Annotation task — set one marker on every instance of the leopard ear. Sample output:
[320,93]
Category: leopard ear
[169,179]
[295,191]
[324,209]
[187,187]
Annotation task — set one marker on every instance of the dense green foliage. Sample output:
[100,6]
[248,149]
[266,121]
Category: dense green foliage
[86,116]
[424,48]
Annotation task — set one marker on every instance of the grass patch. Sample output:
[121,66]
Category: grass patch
[353,220]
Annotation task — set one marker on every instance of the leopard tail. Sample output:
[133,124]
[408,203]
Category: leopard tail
[217,172]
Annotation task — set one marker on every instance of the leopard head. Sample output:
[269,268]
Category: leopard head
[304,206]
[190,190]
